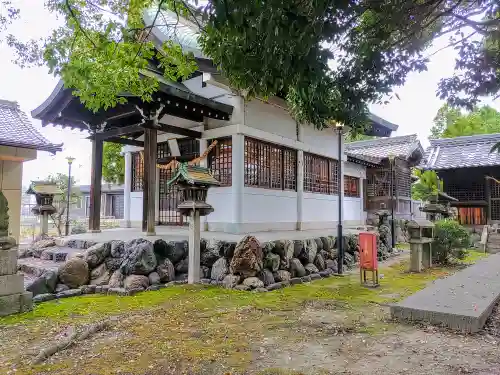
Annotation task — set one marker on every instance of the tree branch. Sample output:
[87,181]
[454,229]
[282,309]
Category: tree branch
[78,23]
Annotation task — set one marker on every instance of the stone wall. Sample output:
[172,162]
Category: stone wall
[129,267]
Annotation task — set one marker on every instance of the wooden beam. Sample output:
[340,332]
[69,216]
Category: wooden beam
[149,184]
[179,131]
[126,141]
[95,187]
[117,132]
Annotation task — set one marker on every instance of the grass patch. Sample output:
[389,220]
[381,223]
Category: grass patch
[202,326]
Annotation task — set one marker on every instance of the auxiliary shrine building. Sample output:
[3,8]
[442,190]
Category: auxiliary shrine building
[275,174]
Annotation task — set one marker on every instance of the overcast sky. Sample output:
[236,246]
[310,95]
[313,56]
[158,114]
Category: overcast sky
[413,113]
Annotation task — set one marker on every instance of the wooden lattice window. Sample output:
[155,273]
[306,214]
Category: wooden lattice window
[270,166]
[220,161]
[495,190]
[403,181]
[320,174]
[137,172]
[162,150]
[351,187]
[466,193]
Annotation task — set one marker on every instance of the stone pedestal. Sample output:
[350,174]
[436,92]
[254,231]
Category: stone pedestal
[13,298]
[194,248]
[415,257]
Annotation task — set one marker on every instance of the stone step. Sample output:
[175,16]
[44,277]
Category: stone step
[35,267]
[59,253]
[73,243]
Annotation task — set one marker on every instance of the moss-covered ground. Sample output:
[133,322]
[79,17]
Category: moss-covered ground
[199,329]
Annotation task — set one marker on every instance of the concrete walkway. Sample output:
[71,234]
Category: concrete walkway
[462,301]
[181,233]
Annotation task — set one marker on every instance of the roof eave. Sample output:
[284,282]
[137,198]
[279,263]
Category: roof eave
[50,147]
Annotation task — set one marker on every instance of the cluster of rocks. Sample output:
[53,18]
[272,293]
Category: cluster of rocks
[126,268]
[273,265]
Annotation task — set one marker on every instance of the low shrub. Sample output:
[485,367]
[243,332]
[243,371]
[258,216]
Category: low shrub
[451,241]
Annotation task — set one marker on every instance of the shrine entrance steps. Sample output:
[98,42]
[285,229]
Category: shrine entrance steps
[462,301]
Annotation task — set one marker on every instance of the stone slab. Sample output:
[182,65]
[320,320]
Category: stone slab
[16,303]
[462,301]
[8,262]
[11,284]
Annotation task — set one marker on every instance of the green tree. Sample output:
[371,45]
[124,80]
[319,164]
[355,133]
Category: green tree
[426,186]
[329,59]
[113,163]
[60,201]
[450,122]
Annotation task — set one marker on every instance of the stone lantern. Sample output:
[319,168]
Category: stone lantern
[193,181]
[421,238]
[44,192]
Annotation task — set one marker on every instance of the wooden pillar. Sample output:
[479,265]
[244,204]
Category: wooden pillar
[95,187]
[149,191]
[487,187]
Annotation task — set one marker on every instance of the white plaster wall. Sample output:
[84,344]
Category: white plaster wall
[267,209]
[270,118]
[220,199]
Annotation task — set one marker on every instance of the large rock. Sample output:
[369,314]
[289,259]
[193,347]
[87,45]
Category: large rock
[310,268]
[268,247]
[326,243]
[117,249]
[96,254]
[100,275]
[37,248]
[204,272]
[319,243]
[253,282]
[177,250]
[248,257]
[285,249]
[154,278]
[230,281]
[319,262]
[209,255]
[45,284]
[219,270]
[141,259]
[296,268]
[266,277]
[182,266]
[161,249]
[227,249]
[113,264]
[272,262]
[282,275]
[116,280]
[310,251]
[298,248]
[136,282]
[166,271]
[74,273]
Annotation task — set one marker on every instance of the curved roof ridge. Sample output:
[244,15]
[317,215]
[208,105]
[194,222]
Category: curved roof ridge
[494,137]
[381,141]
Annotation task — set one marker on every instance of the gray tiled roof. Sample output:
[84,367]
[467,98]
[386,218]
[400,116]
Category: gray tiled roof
[461,152]
[378,149]
[16,130]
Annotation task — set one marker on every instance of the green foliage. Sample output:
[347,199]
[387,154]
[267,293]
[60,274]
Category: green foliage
[426,186]
[329,59]
[450,242]
[450,122]
[113,163]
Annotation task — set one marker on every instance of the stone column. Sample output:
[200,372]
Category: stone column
[300,188]
[194,248]
[237,181]
[127,190]
[13,298]
[204,164]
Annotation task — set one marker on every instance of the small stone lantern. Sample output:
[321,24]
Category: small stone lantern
[44,192]
[193,181]
[421,238]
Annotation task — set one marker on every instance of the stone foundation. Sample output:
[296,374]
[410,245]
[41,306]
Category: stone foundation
[13,298]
